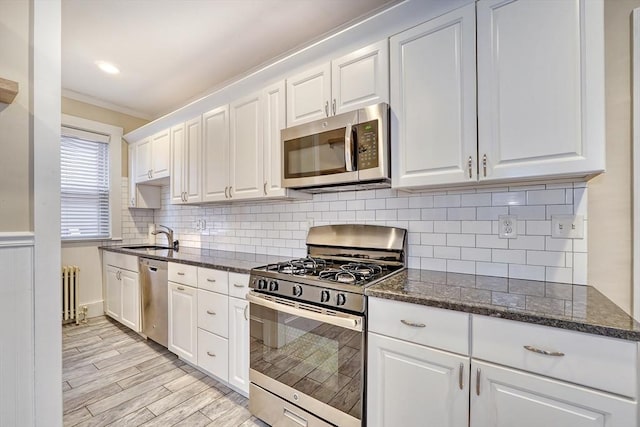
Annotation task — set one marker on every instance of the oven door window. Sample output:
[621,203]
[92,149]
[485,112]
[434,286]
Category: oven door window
[316,358]
[315,155]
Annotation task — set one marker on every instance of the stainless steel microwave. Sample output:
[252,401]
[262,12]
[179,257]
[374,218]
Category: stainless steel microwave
[346,151]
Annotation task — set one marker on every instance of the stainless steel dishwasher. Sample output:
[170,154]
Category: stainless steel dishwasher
[154,283]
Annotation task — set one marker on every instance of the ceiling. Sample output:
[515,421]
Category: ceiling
[172,51]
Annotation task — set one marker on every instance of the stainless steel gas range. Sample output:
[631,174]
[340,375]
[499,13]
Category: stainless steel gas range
[308,326]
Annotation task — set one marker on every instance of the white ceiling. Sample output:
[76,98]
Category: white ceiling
[173,51]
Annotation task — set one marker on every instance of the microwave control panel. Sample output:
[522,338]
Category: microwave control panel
[367,134]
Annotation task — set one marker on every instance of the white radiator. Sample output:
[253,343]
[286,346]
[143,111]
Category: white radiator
[70,284]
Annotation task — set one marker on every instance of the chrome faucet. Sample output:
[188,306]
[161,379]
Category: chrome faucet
[169,233]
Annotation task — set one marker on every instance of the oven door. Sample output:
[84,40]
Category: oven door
[307,357]
[320,153]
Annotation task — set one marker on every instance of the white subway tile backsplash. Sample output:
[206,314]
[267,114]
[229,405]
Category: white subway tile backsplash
[453,230]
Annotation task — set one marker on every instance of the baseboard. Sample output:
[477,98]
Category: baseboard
[95,308]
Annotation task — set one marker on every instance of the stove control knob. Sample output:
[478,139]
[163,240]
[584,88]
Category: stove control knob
[325,296]
[297,290]
[273,286]
[262,284]
[341,299]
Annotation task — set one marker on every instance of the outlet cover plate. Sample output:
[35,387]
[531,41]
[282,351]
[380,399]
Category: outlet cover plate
[508,226]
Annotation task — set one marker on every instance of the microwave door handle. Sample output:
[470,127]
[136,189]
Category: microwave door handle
[348,148]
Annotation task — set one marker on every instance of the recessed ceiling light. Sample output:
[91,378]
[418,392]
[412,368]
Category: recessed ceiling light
[107,67]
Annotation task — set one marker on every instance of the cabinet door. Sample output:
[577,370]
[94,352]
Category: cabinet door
[246,149]
[506,397]
[540,88]
[308,95]
[239,344]
[433,102]
[176,182]
[113,290]
[183,318]
[132,200]
[192,184]
[143,160]
[161,154]
[360,78]
[273,111]
[215,158]
[213,354]
[130,300]
[413,383]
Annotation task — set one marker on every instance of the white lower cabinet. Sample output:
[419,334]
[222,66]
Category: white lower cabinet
[504,397]
[183,321]
[239,344]
[414,385]
[122,289]
[213,354]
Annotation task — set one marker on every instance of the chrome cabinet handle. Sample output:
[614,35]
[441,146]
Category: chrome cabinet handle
[133,202]
[238,285]
[180,288]
[478,382]
[326,108]
[150,173]
[460,377]
[245,312]
[334,106]
[180,273]
[484,165]
[211,280]
[545,352]
[415,325]
[230,190]
[210,354]
[213,313]
[470,164]
[264,188]
[225,192]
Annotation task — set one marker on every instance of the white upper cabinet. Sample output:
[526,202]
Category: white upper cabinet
[355,80]
[273,113]
[141,195]
[153,155]
[308,95]
[245,148]
[433,102]
[215,154]
[186,157]
[360,78]
[540,88]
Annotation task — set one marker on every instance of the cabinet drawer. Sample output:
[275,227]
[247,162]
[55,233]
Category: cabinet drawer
[594,361]
[183,273]
[238,285]
[213,280]
[438,328]
[125,262]
[213,312]
[213,354]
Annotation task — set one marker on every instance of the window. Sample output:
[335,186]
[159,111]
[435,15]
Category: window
[84,185]
[90,180]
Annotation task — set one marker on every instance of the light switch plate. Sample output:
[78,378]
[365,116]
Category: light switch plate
[567,226]
[508,226]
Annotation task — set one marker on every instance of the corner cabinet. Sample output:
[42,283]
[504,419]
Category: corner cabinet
[347,83]
[433,101]
[540,95]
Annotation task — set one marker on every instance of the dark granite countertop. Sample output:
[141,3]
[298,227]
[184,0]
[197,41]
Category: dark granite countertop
[574,307]
[238,262]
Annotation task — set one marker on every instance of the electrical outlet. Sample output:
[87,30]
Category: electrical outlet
[508,226]
[567,226]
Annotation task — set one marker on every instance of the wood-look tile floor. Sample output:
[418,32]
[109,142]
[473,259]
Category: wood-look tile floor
[112,376]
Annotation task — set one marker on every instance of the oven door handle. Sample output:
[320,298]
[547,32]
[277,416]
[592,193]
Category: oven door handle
[344,320]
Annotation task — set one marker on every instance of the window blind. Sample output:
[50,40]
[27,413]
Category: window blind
[84,180]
